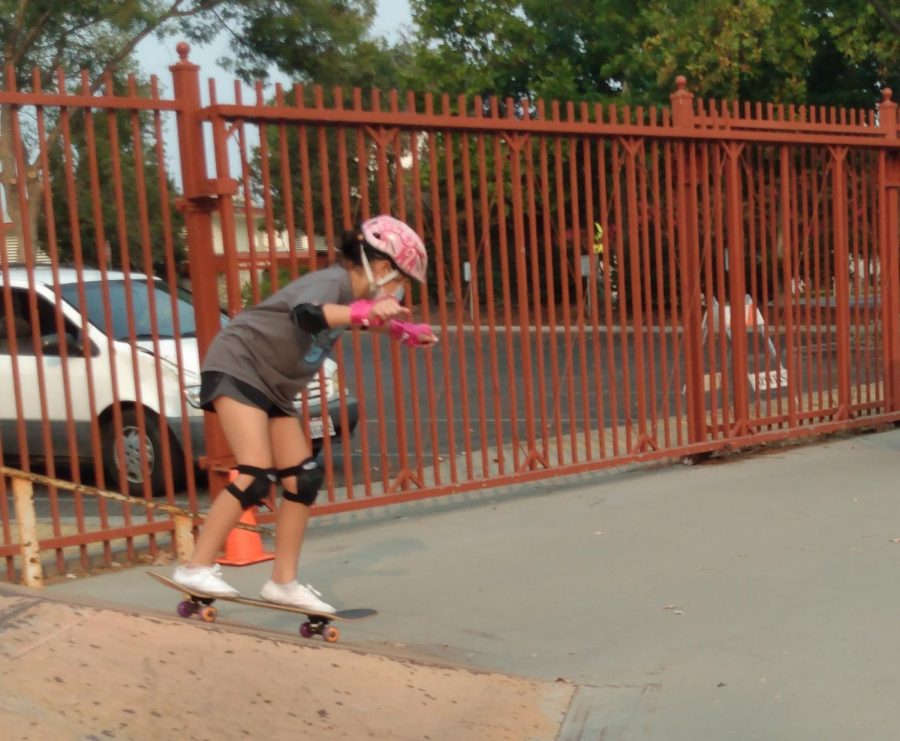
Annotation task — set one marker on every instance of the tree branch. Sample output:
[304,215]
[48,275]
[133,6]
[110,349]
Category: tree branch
[892,23]
[36,30]
[94,21]
[127,48]
[20,12]
[228,28]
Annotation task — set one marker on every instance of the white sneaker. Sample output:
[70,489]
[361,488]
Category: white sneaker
[204,579]
[295,595]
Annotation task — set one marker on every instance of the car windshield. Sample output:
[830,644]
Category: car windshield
[140,308]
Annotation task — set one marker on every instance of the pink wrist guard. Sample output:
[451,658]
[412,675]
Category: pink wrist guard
[411,335]
[359,313]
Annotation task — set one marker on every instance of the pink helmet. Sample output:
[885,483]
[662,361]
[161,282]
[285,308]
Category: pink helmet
[399,242]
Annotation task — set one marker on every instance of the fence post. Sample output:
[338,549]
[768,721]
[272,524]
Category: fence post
[198,203]
[737,288]
[889,229]
[689,263]
[184,538]
[841,283]
[26,520]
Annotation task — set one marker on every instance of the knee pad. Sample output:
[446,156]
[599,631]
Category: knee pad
[309,480]
[257,490]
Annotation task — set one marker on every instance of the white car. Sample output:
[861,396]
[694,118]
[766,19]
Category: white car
[124,373]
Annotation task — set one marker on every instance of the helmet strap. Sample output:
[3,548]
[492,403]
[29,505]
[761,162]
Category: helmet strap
[376,285]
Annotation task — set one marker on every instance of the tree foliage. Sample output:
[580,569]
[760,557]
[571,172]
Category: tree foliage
[800,51]
[521,49]
[327,42]
[317,38]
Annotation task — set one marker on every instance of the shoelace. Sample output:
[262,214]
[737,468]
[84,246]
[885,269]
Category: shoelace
[312,589]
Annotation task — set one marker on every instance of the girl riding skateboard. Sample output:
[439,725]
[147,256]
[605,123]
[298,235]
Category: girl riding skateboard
[254,369]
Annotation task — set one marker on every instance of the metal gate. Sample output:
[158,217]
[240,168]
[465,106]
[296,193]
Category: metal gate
[611,284]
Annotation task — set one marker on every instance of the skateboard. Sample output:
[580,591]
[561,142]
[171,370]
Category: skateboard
[318,623]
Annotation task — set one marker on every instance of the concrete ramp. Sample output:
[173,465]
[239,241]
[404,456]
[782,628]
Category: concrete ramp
[75,672]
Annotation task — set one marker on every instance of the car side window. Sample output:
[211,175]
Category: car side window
[14,325]
[20,324]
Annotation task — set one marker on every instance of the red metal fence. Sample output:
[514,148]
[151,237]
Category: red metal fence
[610,284]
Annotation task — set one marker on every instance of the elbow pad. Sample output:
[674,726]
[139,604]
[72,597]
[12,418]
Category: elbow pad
[309,317]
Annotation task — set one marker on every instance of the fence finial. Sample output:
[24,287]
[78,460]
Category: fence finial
[887,113]
[183,49]
[682,103]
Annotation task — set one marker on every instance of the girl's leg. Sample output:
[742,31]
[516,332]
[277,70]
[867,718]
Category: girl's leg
[290,447]
[247,430]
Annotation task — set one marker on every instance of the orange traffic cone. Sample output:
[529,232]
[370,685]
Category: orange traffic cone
[242,547]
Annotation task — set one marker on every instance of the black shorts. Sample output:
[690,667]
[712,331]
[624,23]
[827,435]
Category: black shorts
[214,384]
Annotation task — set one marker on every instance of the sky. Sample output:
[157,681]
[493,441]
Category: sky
[391,14]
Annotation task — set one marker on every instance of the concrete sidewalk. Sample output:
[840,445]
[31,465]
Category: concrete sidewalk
[751,599]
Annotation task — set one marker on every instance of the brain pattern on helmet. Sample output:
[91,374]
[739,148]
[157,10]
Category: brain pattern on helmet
[410,258]
[406,248]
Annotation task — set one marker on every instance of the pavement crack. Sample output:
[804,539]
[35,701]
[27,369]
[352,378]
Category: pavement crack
[10,614]
[51,635]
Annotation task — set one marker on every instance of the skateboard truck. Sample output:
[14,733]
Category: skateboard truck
[322,627]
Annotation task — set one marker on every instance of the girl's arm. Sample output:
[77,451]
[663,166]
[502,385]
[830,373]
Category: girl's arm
[382,315]
[373,314]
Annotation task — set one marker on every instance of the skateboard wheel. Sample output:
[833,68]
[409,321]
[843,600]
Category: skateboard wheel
[331,634]
[306,630]
[208,613]
[185,608]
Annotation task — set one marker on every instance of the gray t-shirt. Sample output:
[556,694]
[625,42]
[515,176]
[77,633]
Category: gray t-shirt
[263,347]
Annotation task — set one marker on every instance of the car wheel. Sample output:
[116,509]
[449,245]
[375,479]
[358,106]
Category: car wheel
[131,440]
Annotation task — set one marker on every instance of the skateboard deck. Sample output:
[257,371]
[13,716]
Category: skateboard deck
[318,623]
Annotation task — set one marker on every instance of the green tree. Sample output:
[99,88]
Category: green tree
[858,52]
[528,49]
[726,49]
[327,42]
[797,50]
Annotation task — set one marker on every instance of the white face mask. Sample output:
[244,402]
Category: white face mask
[376,287]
